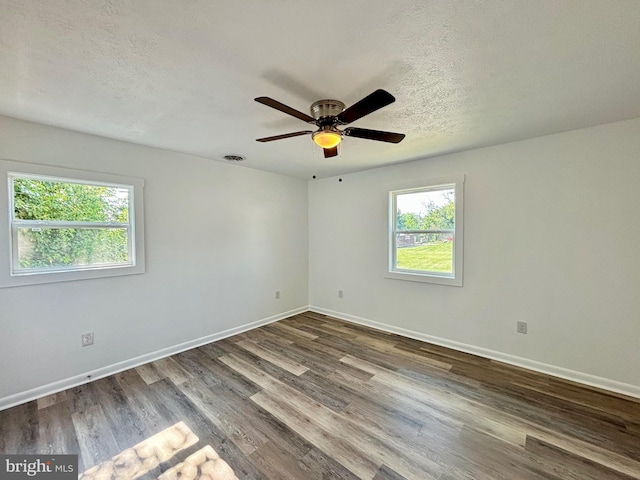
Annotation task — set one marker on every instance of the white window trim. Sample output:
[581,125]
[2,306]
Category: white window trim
[9,278]
[428,277]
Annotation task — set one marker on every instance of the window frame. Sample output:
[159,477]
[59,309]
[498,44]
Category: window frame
[10,276]
[425,185]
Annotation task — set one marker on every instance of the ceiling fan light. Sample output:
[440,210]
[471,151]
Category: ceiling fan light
[327,138]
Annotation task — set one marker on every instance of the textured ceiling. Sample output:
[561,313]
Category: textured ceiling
[182,74]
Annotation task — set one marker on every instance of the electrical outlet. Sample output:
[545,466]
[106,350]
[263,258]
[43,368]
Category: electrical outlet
[340,294]
[277,294]
[87,339]
[522,327]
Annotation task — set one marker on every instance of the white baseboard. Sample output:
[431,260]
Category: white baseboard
[86,377]
[90,376]
[574,376]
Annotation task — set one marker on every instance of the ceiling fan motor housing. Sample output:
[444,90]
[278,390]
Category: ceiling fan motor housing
[326,108]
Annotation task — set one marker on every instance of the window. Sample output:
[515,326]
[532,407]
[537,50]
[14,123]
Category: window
[69,225]
[425,232]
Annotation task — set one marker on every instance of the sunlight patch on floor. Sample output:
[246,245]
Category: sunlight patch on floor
[145,456]
[205,464]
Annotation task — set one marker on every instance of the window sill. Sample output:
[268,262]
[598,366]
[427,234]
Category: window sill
[69,276]
[424,278]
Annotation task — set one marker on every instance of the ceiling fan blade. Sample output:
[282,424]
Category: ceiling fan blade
[270,102]
[330,152]
[370,103]
[286,135]
[374,135]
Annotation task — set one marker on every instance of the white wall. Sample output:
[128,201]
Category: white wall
[220,239]
[552,237]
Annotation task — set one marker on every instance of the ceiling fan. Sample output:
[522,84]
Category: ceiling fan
[327,115]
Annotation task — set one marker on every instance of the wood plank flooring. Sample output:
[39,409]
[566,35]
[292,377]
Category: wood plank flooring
[312,397]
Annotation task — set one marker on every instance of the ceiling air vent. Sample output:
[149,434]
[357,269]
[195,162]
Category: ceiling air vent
[233,158]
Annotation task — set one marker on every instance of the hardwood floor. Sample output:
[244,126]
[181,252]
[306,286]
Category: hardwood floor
[312,397]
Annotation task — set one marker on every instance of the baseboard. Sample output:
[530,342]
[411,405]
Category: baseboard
[564,373]
[90,376]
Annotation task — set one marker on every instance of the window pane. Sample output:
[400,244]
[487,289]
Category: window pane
[56,200]
[71,247]
[427,210]
[427,252]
